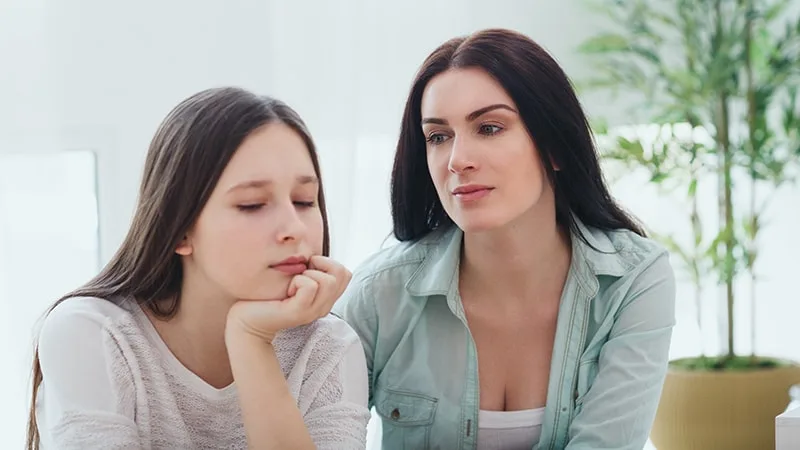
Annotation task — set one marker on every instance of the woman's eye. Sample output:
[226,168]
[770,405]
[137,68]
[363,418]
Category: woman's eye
[305,204]
[250,207]
[489,130]
[436,138]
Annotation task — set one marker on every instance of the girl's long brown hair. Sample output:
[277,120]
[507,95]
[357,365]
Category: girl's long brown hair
[187,155]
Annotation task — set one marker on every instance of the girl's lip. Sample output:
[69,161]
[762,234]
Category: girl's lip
[291,268]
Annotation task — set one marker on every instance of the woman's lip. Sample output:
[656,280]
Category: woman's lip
[469,188]
[472,196]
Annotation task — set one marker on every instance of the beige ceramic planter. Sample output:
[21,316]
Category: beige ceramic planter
[729,410]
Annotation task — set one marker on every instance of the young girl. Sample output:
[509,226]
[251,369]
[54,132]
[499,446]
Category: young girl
[209,328]
[524,308]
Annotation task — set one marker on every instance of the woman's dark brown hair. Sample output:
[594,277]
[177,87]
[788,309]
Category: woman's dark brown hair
[187,155]
[552,114]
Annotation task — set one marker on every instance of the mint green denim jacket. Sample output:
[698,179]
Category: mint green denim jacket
[609,358]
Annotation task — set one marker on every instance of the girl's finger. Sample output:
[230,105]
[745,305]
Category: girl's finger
[302,288]
[330,266]
[320,277]
[327,292]
[321,263]
[327,265]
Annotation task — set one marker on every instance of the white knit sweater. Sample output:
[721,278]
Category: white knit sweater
[110,382]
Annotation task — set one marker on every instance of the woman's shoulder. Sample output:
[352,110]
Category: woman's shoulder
[618,252]
[632,243]
[402,258]
[629,268]
[387,275]
[406,272]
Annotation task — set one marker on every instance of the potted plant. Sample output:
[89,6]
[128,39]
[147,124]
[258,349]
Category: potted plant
[717,80]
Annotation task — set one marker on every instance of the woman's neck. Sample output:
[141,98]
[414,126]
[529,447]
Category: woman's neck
[196,334]
[523,260]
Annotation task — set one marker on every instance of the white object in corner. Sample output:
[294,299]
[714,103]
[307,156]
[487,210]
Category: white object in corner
[787,430]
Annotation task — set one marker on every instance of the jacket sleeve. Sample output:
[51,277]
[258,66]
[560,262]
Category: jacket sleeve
[618,410]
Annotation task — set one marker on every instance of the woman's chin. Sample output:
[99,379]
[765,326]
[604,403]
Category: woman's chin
[473,225]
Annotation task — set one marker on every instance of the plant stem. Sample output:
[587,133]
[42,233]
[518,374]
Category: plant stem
[751,143]
[723,140]
[698,280]
[729,238]
[753,308]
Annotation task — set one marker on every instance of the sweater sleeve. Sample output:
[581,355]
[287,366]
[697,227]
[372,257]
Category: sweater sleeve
[338,415]
[86,399]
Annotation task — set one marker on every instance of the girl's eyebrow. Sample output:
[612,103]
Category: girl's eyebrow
[251,184]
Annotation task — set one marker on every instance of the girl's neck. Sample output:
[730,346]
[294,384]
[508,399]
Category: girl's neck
[196,334]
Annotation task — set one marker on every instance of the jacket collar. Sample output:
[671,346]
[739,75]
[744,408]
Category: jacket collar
[437,274]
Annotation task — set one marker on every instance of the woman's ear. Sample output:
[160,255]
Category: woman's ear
[184,247]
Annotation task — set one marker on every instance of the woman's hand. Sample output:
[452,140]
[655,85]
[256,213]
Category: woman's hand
[310,296]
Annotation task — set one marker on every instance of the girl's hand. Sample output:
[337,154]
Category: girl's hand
[311,295]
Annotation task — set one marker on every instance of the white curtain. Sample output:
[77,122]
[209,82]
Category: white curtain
[99,76]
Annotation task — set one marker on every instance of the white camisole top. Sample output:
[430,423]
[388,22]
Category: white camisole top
[509,430]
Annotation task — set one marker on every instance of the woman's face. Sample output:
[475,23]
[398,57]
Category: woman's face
[482,160]
[263,211]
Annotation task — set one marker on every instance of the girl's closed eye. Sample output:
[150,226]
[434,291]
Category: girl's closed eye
[305,204]
[249,207]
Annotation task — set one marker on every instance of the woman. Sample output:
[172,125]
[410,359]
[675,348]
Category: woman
[209,328]
[523,307]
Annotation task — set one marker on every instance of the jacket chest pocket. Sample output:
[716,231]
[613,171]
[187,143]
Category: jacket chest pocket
[406,418]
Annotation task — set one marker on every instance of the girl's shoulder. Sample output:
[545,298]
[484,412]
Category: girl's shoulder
[74,315]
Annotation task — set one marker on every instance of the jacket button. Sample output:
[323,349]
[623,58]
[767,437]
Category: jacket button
[395,414]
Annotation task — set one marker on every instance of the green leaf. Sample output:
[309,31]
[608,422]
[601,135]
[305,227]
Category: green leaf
[599,125]
[775,10]
[634,147]
[692,188]
[658,177]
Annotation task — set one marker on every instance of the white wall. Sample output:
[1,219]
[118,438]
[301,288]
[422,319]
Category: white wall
[99,75]
[104,74]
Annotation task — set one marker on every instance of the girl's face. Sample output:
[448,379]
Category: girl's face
[262,221]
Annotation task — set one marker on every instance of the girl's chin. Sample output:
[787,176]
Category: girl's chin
[271,296]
